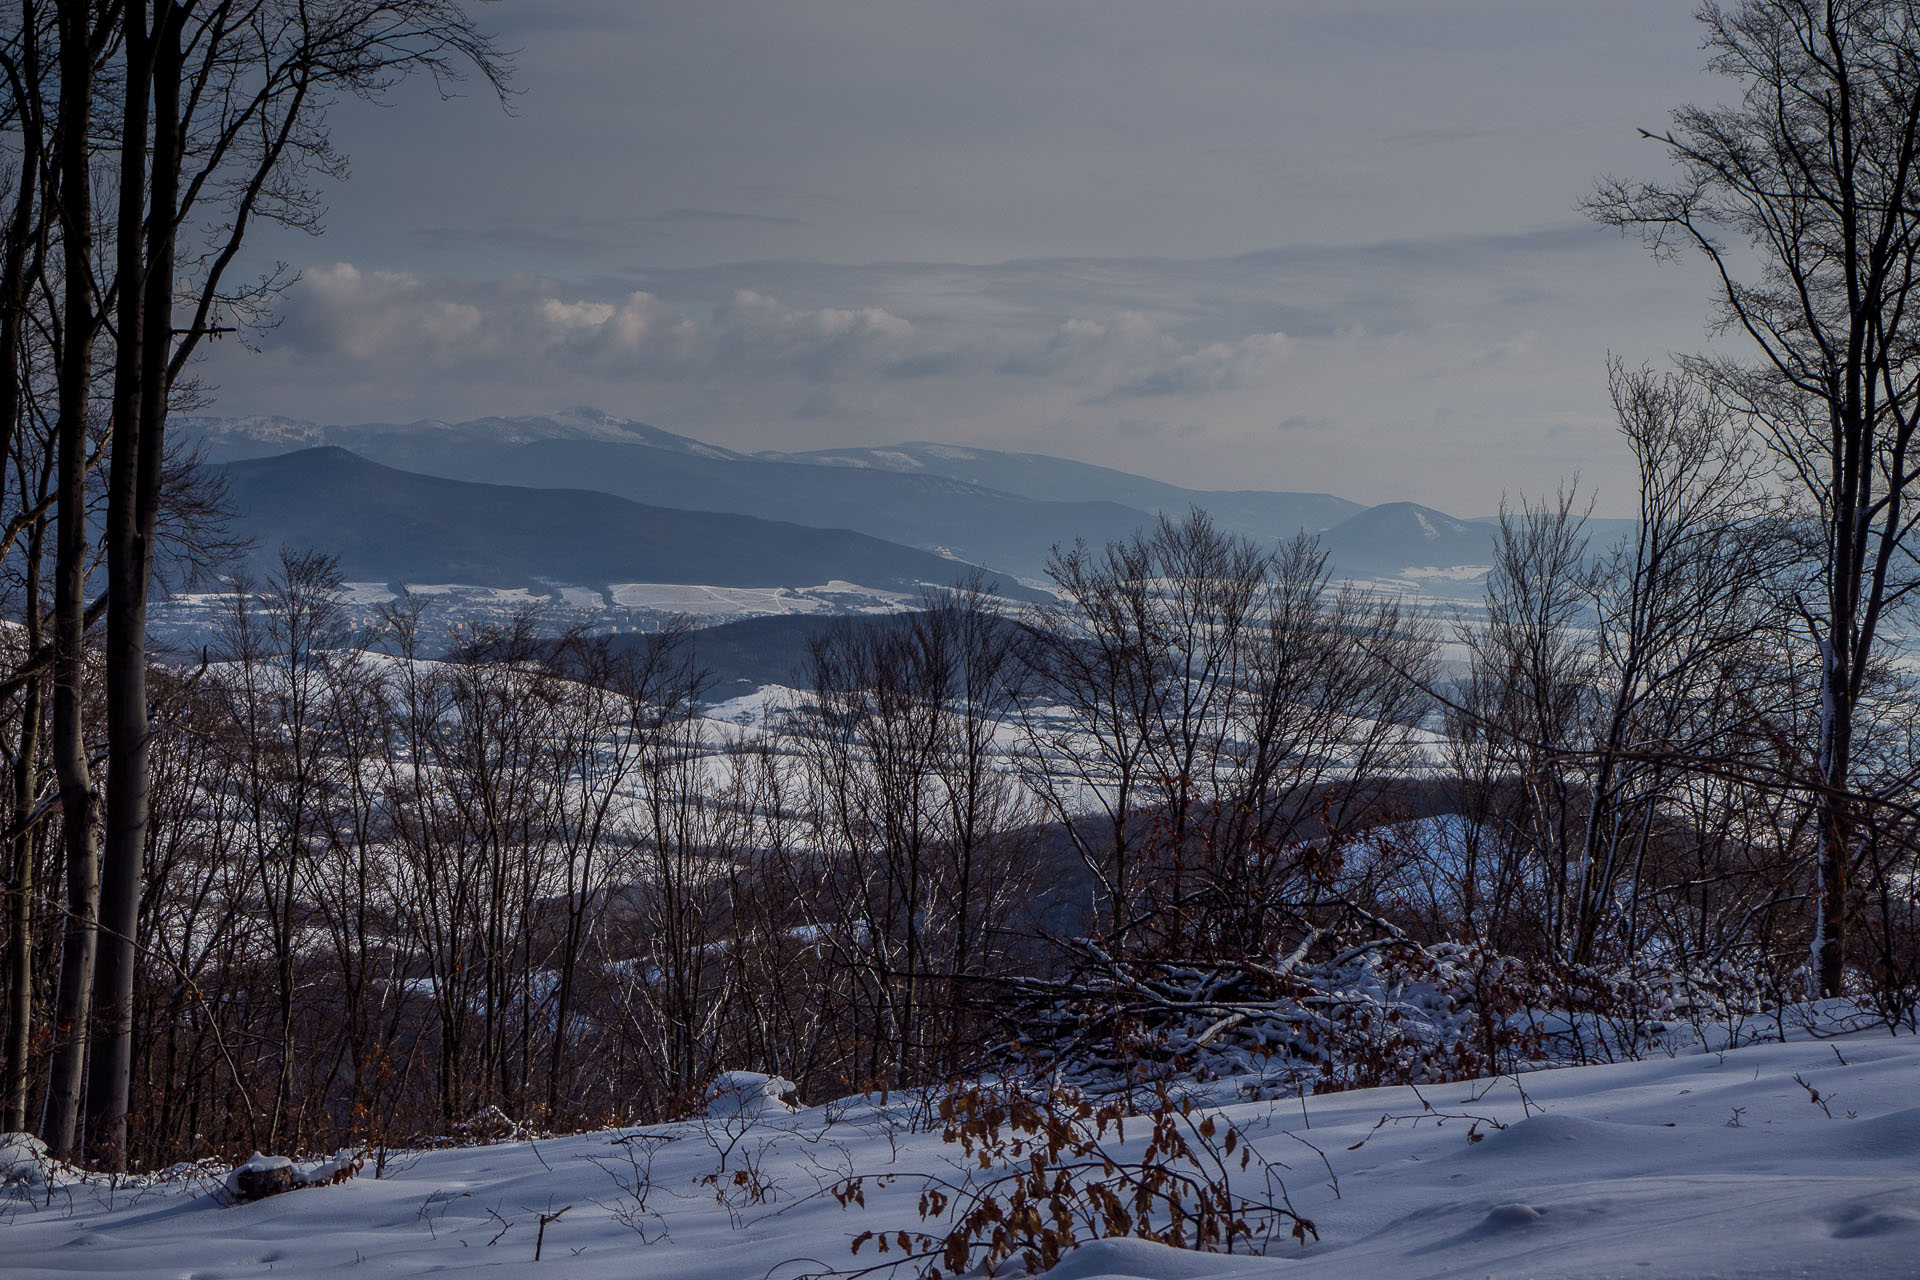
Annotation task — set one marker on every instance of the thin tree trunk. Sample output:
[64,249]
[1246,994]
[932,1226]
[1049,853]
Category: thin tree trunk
[25,787]
[1835,858]
[21,237]
[13,306]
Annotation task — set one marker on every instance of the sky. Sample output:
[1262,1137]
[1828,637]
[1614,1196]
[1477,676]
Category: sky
[1328,246]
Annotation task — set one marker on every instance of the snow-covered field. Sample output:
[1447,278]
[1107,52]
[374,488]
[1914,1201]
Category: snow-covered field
[708,605]
[1709,1165]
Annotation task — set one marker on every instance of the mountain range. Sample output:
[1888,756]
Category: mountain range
[389,525]
[584,497]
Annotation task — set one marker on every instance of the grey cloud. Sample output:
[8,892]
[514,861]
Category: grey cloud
[723,216]
[537,239]
[946,362]
[402,321]
[581,236]
[819,406]
[1217,366]
[1302,290]
[753,331]
[1433,137]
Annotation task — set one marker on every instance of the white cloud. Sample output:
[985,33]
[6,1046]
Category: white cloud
[754,331]
[377,323]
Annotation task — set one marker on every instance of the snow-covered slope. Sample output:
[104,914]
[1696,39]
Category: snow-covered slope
[1714,1165]
[232,439]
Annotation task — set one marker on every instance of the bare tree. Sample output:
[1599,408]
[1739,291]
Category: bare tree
[1800,197]
[1225,713]
[1681,609]
[1321,722]
[598,745]
[1088,729]
[1534,661]
[915,820]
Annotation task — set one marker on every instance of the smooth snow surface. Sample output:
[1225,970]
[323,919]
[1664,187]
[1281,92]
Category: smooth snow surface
[1698,1166]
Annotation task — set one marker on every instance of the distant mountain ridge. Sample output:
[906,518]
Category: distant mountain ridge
[1263,513]
[390,525]
[231,439]
[1001,509]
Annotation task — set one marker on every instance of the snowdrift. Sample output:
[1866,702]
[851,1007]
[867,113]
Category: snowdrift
[1798,1159]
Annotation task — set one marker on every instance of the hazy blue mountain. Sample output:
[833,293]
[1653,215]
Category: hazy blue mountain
[1401,535]
[387,524]
[631,460]
[991,507]
[930,512]
[1264,514]
[408,444]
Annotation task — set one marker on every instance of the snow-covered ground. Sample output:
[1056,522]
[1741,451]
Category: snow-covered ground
[709,605]
[1709,1165]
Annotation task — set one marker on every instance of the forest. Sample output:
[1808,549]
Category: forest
[1210,812]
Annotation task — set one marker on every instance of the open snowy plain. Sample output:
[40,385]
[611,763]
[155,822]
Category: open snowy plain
[1698,1165]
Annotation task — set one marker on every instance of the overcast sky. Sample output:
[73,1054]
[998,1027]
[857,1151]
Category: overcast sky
[1285,245]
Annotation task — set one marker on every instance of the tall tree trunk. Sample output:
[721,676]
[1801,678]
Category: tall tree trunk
[13,308]
[73,1002]
[124,851]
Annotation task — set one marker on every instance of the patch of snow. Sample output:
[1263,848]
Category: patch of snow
[509,596]
[1448,572]
[581,598]
[754,709]
[365,593]
[711,602]
[721,604]
[751,1094]
[24,1160]
[1145,1260]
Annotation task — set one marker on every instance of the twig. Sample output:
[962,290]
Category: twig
[540,1237]
[1813,1095]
